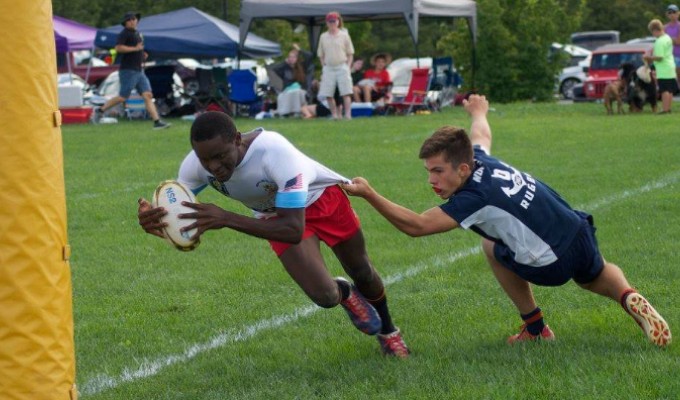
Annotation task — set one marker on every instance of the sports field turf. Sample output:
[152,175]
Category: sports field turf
[226,322]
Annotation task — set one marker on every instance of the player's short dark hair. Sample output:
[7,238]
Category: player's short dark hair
[453,142]
[212,124]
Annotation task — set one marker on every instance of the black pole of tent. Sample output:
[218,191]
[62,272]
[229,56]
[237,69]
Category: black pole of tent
[474,65]
[473,54]
[311,35]
[417,57]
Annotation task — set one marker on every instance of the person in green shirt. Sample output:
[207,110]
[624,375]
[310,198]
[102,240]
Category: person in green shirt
[662,57]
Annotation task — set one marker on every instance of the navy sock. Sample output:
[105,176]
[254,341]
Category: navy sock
[534,321]
[380,306]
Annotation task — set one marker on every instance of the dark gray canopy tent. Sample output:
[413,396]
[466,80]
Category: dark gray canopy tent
[312,13]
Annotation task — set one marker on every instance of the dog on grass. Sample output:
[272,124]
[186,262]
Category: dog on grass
[616,91]
[642,89]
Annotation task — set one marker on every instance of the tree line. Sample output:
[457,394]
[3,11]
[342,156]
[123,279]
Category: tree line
[510,54]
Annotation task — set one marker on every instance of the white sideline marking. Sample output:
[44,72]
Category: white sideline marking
[149,368]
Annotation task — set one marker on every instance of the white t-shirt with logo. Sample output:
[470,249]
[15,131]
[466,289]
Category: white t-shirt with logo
[273,174]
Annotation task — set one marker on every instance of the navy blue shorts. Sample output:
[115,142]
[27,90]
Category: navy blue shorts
[131,79]
[582,262]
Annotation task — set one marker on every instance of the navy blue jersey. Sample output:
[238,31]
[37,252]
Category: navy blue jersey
[511,207]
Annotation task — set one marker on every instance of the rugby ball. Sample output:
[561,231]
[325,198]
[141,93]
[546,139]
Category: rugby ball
[170,195]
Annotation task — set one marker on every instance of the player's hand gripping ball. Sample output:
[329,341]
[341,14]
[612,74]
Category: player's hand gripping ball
[170,195]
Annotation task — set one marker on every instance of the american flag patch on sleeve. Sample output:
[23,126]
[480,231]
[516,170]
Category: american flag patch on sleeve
[293,184]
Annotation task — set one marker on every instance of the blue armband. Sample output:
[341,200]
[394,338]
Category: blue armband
[291,199]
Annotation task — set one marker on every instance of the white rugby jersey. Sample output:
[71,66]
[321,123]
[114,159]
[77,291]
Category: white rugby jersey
[511,207]
[273,174]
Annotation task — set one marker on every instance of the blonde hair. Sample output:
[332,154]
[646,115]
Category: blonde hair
[655,25]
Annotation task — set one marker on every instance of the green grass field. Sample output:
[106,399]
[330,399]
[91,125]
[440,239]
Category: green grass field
[226,322]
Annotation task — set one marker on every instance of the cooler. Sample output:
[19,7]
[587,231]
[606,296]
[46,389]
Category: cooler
[70,96]
[75,115]
[362,110]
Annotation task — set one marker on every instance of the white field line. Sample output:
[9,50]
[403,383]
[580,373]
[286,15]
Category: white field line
[148,368]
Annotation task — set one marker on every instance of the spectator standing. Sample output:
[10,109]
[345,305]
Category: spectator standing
[672,29]
[130,49]
[664,64]
[336,53]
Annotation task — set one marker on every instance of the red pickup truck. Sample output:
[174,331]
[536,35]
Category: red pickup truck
[605,62]
[99,70]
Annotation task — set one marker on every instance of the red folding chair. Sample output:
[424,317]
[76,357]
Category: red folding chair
[416,97]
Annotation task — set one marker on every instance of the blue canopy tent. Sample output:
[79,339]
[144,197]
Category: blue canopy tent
[190,32]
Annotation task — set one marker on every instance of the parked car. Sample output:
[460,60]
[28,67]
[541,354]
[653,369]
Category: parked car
[646,39]
[572,74]
[95,72]
[570,77]
[606,61]
[594,39]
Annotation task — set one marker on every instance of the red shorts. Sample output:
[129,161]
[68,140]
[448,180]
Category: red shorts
[331,218]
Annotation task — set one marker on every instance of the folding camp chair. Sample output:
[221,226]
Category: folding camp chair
[416,97]
[221,87]
[161,78]
[212,92]
[242,90]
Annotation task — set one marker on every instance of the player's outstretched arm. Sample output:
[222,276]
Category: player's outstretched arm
[150,217]
[411,223]
[288,227]
[480,132]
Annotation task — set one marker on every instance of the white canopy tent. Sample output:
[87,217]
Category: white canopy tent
[312,13]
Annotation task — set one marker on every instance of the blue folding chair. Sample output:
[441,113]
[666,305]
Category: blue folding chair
[135,106]
[243,90]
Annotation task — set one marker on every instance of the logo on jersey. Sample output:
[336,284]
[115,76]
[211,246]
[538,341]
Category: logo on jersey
[293,184]
[519,181]
[267,186]
[219,186]
[477,177]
